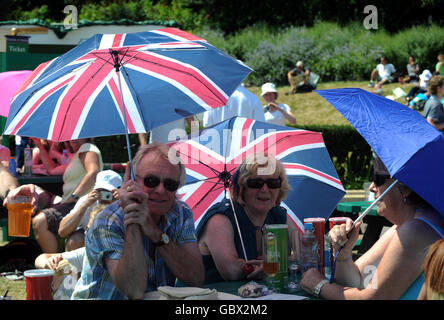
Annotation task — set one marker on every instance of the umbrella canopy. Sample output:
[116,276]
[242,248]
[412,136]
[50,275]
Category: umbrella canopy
[156,76]
[411,149]
[212,157]
[10,82]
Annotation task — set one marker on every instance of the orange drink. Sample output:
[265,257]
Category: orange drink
[271,268]
[19,217]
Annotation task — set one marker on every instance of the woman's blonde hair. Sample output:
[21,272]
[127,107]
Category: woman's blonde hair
[258,164]
[434,267]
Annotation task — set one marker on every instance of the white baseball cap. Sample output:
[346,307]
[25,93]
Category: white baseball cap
[299,64]
[108,180]
[426,75]
[268,87]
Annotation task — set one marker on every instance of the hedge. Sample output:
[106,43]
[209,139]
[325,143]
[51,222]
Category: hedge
[336,53]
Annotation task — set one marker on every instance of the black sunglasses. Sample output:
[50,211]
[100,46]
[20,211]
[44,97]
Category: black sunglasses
[258,183]
[380,179]
[153,181]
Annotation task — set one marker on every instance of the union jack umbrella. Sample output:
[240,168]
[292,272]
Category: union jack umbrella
[152,77]
[212,157]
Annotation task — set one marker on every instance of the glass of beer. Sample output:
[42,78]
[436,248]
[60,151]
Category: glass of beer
[19,216]
[271,257]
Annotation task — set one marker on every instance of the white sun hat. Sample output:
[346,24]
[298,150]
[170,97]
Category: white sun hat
[108,180]
[268,87]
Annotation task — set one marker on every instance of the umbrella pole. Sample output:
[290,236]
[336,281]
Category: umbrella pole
[126,126]
[374,203]
[238,228]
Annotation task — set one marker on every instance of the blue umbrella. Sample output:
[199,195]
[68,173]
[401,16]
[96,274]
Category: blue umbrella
[411,149]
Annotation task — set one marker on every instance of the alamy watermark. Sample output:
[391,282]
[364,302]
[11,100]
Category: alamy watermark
[371,21]
[226,145]
[72,18]
[370,276]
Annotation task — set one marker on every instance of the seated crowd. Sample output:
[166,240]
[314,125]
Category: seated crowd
[139,236]
[125,238]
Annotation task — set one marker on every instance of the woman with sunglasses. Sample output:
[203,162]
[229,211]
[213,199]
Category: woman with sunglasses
[258,186]
[392,267]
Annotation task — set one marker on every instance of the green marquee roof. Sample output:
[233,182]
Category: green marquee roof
[60,30]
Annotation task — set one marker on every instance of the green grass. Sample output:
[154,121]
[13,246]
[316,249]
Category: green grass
[16,289]
[310,108]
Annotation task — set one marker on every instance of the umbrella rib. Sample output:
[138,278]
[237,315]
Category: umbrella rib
[206,194]
[204,180]
[180,71]
[134,91]
[99,57]
[209,167]
[80,90]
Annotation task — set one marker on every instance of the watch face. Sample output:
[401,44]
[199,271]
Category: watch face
[165,238]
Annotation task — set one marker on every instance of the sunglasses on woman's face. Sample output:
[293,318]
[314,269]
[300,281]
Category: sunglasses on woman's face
[258,183]
[152,181]
[380,179]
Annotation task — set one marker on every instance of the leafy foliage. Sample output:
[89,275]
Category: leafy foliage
[335,53]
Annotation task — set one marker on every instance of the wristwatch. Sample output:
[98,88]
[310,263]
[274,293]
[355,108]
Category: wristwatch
[317,289]
[164,239]
[75,197]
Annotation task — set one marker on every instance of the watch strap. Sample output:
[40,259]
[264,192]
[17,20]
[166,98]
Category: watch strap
[317,289]
[161,242]
[74,196]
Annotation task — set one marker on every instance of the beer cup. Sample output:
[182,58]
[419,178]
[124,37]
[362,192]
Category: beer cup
[319,226]
[19,216]
[39,284]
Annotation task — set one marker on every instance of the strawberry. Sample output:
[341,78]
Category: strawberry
[247,269]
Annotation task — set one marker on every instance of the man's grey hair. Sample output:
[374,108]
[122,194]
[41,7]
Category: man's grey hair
[164,151]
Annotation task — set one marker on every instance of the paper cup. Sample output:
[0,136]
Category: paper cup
[319,226]
[19,216]
[336,220]
[332,222]
[39,284]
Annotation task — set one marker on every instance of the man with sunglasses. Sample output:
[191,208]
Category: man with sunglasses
[144,240]
[258,186]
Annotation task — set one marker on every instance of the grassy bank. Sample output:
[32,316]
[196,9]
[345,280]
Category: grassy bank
[310,108]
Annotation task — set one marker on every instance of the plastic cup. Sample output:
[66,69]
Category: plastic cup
[332,222]
[319,226]
[39,284]
[336,220]
[19,216]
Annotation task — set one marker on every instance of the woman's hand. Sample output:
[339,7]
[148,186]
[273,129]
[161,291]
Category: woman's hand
[344,235]
[257,267]
[53,261]
[93,196]
[28,190]
[273,107]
